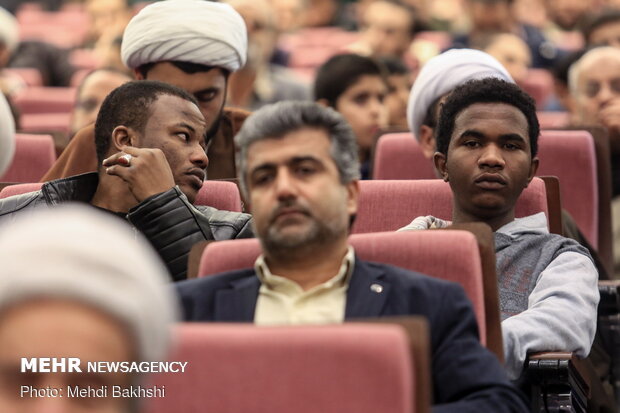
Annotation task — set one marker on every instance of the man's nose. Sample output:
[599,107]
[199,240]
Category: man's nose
[285,185]
[199,157]
[491,157]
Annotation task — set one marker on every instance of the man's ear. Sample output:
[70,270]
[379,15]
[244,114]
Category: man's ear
[440,161]
[353,190]
[323,102]
[123,136]
[138,75]
[533,169]
[427,141]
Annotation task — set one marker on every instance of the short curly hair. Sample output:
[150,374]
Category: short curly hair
[487,90]
[130,105]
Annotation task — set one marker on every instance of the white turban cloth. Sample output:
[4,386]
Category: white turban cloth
[443,73]
[195,31]
[7,135]
[79,254]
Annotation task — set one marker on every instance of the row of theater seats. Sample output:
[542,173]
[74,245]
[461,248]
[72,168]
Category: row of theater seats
[575,157]
[466,256]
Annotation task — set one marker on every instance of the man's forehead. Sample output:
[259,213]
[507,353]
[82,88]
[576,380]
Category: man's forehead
[305,142]
[481,113]
[180,109]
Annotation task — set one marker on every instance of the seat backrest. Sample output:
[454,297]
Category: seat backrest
[449,255]
[390,205]
[398,156]
[362,368]
[46,100]
[570,155]
[222,195]
[19,189]
[34,155]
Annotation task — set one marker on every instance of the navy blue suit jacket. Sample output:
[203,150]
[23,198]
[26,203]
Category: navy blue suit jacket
[466,376]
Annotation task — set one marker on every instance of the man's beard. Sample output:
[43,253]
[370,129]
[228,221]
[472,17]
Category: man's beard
[210,134]
[316,234]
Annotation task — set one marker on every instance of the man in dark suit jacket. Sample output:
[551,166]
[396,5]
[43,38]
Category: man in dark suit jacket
[300,179]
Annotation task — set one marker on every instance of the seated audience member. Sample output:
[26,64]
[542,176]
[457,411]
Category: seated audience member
[7,135]
[399,80]
[150,148]
[387,28]
[197,56]
[299,172]
[261,82]
[568,14]
[492,16]
[603,28]
[356,87]
[75,283]
[594,82]
[510,51]
[91,93]
[51,62]
[486,149]
[437,78]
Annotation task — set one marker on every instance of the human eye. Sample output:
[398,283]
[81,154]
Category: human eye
[360,99]
[305,169]
[206,96]
[471,143]
[261,178]
[185,137]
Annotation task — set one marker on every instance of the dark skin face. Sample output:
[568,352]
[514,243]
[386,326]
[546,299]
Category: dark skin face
[488,163]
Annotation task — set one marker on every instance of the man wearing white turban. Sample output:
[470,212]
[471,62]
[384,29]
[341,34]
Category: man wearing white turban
[78,283]
[192,44]
[437,78]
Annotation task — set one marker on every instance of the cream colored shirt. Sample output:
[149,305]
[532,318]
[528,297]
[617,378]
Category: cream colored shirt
[282,301]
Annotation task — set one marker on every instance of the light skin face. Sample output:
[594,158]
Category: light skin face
[567,13]
[107,15]
[170,150]
[396,100]
[55,328]
[362,105]
[606,35]
[598,89]
[209,88]
[299,205]
[513,54]
[488,164]
[387,29]
[92,93]
[490,17]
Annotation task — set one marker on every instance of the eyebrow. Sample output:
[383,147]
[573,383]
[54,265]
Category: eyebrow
[292,161]
[477,134]
[185,125]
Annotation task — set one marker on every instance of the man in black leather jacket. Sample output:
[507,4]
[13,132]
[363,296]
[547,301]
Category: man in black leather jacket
[150,146]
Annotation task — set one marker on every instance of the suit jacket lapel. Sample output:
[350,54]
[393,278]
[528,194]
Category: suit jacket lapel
[368,291]
[239,302]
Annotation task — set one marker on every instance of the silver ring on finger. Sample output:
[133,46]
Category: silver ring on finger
[127,157]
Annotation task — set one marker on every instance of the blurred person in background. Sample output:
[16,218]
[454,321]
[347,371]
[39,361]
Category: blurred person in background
[76,282]
[7,135]
[510,50]
[399,79]
[51,61]
[261,82]
[356,87]
[90,95]
[387,28]
[602,28]
[494,16]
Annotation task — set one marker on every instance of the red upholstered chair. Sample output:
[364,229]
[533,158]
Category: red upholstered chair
[34,155]
[361,368]
[449,255]
[45,100]
[398,156]
[390,205]
[570,155]
[19,189]
[45,122]
[539,85]
[553,120]
[222,195]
